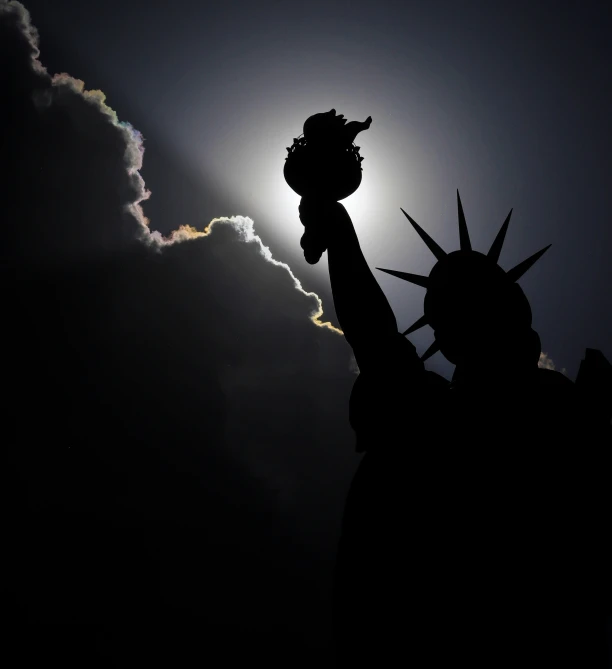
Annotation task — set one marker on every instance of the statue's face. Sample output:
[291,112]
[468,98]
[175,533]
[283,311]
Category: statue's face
[474,310]
[463,344]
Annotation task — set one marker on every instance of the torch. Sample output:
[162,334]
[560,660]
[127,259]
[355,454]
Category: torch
[324,164]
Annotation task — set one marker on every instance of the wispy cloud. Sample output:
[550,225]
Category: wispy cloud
[245,227]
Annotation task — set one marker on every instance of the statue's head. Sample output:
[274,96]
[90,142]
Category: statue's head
[475,308]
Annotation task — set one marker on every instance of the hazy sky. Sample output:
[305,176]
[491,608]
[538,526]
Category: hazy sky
[178,423]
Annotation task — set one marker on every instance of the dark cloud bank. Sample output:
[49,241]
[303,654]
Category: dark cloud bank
[176,443]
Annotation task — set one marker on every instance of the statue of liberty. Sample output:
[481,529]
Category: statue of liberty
[477,527]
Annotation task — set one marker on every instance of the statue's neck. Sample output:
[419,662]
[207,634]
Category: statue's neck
[511,362]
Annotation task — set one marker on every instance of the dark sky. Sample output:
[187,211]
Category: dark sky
[180,447]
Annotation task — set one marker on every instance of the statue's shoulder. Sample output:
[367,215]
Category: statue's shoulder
[381,403]
[436,381]
[550,378]
[589,397]
[555,392]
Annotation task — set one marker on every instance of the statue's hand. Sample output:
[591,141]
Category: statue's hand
[321,220]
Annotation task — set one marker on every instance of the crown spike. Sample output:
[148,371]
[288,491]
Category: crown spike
[464,235]
[496,246]
[431,245]
[434,348]
[517,272]
[416,326]
[413,278]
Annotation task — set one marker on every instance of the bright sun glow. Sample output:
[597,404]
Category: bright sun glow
[374,207]
[365,206]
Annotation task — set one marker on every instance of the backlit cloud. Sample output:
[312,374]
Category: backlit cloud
[172,385]
[81,168]
[245,227]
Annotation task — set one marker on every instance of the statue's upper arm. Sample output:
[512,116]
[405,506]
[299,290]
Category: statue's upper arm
[396,393]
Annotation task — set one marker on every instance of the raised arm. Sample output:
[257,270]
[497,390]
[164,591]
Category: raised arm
[324,166]
[363,311]
[361,306]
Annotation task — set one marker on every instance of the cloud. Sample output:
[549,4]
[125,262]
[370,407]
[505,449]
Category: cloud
[60,141]
[98,153]
[245,228]
[172,423]
[545,362]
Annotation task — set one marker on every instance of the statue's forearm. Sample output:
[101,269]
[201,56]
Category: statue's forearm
[363,311]
[364,314]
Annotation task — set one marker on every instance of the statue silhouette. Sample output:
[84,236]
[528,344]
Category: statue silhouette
[476,528]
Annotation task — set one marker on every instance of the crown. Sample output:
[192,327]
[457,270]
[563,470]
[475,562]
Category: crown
[480,268]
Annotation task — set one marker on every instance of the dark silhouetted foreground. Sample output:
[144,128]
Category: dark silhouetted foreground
[476,529]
